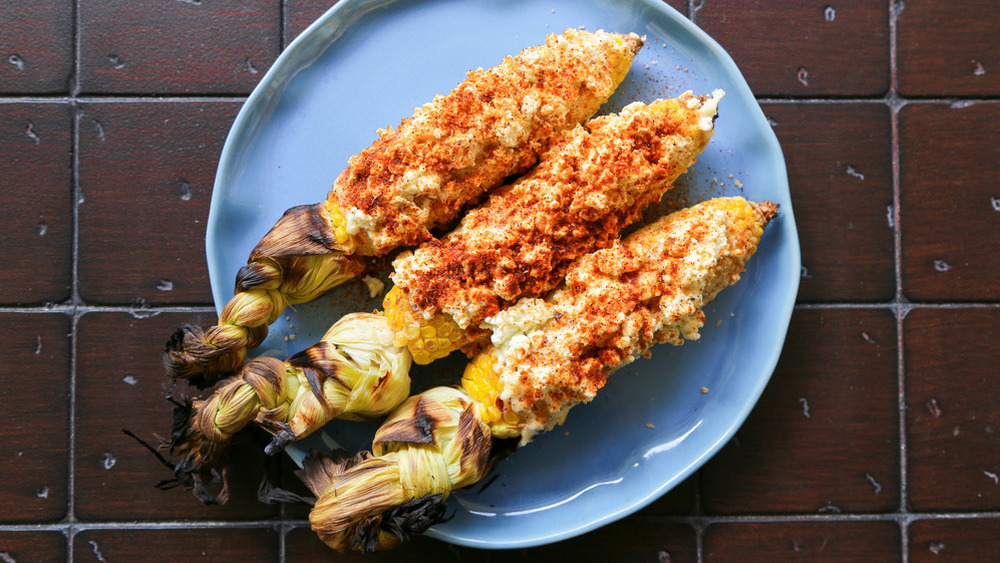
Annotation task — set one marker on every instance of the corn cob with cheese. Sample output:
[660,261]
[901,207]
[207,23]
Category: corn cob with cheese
[593,181]
[413,178]
[547,355]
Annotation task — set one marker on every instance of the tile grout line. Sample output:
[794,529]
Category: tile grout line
[695,521]
[901,307]
[75,301]
[126,97]
[700,526]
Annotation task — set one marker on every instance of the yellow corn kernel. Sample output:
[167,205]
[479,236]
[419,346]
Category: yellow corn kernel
[337,221]
[482,383]
[510,417]
[742,218]
[427,339]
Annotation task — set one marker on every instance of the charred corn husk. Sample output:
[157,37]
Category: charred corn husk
[547,355]
[413,178]
[594,180]
[290,398]
[433,443]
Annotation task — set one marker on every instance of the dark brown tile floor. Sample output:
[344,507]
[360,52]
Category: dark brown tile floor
[878,438]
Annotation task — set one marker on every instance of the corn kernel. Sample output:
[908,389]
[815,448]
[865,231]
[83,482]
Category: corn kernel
[337,221]
[510,417]
[483,384]
[427,339]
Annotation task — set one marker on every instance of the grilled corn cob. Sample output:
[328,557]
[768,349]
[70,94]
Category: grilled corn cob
[411,179]
[547,355]
[595,180]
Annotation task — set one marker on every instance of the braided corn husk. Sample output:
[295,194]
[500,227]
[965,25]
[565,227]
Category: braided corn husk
[433,443]
[291,398]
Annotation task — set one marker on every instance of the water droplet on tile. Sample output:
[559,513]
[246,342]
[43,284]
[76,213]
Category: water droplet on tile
[805,406]
[803,76]
[16,60]
[29,130]
[96,550]
[875,484]
[116,61]
[933,408]
[99,128]
[185,189]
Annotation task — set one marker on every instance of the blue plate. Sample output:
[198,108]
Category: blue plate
[367,64]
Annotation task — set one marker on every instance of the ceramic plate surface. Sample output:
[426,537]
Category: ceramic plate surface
[367,64]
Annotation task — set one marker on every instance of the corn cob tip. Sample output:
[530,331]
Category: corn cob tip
[765,210]
[634,42]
